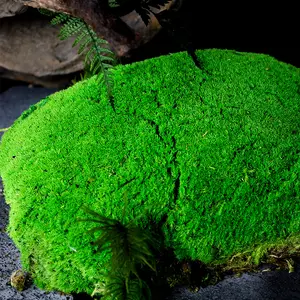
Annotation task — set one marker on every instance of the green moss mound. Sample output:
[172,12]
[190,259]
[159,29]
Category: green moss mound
[212,152]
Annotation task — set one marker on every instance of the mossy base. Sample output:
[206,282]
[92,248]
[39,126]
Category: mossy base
[211,154]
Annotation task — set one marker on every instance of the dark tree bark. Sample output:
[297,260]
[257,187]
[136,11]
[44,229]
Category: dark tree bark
[97,14]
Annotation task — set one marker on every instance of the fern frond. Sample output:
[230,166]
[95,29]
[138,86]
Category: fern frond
[97,56]
[46,12]
[59,18]
[72,27]
[83,41]
[98,64]
[119,287]
[130,248]
[128,244]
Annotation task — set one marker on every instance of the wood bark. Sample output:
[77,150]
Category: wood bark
[121,37]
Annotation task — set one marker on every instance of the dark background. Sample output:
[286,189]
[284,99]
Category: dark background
[196,26]
[206,25]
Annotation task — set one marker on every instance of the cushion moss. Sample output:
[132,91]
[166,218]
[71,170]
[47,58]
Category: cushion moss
[213,151]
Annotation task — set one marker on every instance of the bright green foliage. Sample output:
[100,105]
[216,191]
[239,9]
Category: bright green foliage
[118,288]
[130,247]
[214,152]
[128,244]
[89,43]
[59,18]
[48,13]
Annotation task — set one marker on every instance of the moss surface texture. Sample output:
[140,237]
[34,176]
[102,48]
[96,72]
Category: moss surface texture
[212,153]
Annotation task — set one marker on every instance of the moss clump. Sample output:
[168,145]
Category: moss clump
[213,152]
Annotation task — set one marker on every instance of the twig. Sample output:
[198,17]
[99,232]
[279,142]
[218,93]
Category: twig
[4,129]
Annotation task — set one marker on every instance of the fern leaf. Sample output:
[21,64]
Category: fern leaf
[121,288]
[95,214]
[105,50]
[73,26]
[95,60]
[81,37]
[143,259]
[91,212]
[97,47]
[85,43]
[46,12]
[107,58]
[89,54]
[95,229]
[101,220]
[107,66]
[60,18]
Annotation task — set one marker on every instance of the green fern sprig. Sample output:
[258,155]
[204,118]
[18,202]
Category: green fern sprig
[71,27]
[59,18]
[99,59]
[46,12]
[128,244]
[130,248]
[118,287]
[98,63]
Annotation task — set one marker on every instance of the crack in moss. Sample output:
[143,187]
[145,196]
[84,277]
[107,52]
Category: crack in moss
[176,187]
[127,182]
[174,158]
[175,163]
[155,99]
[192,53]
[155,125]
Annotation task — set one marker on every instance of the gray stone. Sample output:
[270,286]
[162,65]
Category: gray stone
[30,50]
[9,8]
[17,99]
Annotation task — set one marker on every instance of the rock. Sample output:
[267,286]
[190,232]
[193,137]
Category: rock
[146,33]
[105,22]
[17,280]
[11,8]
[31,51]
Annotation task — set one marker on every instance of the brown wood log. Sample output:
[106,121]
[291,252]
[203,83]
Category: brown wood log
[117,31]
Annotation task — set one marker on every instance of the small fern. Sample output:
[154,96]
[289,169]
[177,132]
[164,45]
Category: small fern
[46,12]
[60,18]
[131,248]
[128,244]
[118,287]
[90,44]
